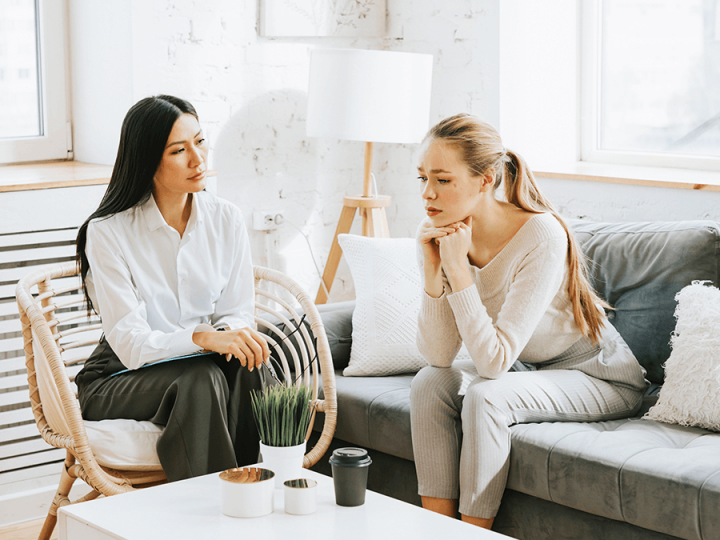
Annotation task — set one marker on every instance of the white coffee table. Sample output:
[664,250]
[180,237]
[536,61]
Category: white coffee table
[190,509]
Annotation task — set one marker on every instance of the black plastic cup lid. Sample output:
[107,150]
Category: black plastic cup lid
[349,457]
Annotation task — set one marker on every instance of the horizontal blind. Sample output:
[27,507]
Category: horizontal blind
[24,456]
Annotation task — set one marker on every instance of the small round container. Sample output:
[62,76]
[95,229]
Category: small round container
[300,496]
[247,492]
[350,472]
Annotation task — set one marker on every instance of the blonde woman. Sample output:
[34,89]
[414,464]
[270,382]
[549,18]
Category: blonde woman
[508,280]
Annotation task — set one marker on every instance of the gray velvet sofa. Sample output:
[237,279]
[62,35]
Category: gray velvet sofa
[624,479]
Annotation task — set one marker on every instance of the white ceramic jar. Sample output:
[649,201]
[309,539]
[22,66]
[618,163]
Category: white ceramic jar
[247,492]
[300,496]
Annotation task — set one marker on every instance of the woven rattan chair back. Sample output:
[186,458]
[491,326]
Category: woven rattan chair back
[288,318]
[58,336]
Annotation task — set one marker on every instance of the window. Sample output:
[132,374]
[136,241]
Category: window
[651,83]
[33,106]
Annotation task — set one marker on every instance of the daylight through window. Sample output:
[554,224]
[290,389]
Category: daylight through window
[659,77]
[20,109]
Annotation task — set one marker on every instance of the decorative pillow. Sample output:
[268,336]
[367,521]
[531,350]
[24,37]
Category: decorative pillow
[691,393]
[388,289]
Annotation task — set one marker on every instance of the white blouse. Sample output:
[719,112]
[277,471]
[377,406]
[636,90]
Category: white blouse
[154,289]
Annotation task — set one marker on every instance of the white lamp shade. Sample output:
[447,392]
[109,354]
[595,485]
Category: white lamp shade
[371,96]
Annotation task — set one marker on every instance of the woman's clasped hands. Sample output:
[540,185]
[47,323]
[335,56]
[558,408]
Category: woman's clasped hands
[447,245]
[454,247]
[446,248]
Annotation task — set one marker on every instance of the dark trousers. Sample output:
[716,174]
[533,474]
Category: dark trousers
[203,402]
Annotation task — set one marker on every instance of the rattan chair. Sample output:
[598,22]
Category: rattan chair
[58,337]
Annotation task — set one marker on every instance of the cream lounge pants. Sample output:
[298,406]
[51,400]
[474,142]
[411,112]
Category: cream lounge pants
[461,424]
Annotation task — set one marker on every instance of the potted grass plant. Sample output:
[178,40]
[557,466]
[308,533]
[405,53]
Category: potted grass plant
[282,415]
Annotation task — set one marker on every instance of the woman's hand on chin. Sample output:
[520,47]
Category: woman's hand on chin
[454,247]
[429,237]
[245,344]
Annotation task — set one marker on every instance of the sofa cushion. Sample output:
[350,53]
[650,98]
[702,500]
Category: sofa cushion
[658,476]
[639,268]
[388,289]
[374,412]
[691,393]
[337,321]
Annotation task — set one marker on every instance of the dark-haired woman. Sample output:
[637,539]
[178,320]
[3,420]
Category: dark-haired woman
[167,266]
[506,278]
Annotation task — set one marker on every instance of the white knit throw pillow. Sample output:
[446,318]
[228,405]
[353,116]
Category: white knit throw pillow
[388,289]
[691,393]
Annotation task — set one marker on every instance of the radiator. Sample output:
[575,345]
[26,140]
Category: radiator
[26,461]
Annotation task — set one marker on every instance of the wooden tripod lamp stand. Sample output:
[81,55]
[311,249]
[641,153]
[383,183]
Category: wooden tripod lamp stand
[369,96]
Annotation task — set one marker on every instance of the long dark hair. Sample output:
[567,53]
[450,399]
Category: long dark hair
[143,137]
[482,149]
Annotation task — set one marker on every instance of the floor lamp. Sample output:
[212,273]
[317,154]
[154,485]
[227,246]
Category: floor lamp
[369,96]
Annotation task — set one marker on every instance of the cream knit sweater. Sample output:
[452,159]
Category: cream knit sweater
[518,309]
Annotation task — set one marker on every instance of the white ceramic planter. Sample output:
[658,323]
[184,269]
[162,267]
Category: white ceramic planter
[285,461]
[247,492]
[300,496]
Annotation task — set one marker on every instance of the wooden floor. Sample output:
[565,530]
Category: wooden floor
[28,530]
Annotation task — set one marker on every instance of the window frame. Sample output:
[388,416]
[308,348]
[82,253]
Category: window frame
[56,141]
[591,51]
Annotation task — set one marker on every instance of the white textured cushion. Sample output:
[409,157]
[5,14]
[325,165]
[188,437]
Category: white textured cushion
[388,289]
[690,395]
[124,444]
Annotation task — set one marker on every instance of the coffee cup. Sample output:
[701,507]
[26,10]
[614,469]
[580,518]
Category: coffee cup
[350,472]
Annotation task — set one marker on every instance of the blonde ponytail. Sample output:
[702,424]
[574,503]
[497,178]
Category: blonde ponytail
[522,191]
[482,149]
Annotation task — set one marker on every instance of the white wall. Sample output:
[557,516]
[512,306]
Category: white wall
[250,93]
[538,74]
[598,201]
[101,76]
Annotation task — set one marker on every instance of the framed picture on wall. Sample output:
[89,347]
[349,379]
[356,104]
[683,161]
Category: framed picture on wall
[320,18]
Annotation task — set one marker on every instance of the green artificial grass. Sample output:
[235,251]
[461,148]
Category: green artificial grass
[282,414]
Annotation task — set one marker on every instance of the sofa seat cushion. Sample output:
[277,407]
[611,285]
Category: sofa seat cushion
[658,476]
[374,412]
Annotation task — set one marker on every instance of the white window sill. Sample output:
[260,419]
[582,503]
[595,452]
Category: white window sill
[627,174]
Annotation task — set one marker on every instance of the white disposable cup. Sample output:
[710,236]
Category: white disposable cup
[300,496]
[247,492]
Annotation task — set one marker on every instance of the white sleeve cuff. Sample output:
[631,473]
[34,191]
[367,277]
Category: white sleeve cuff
[232,323]
[203,328]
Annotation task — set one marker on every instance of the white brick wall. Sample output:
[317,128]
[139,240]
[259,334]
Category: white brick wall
[250,93]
